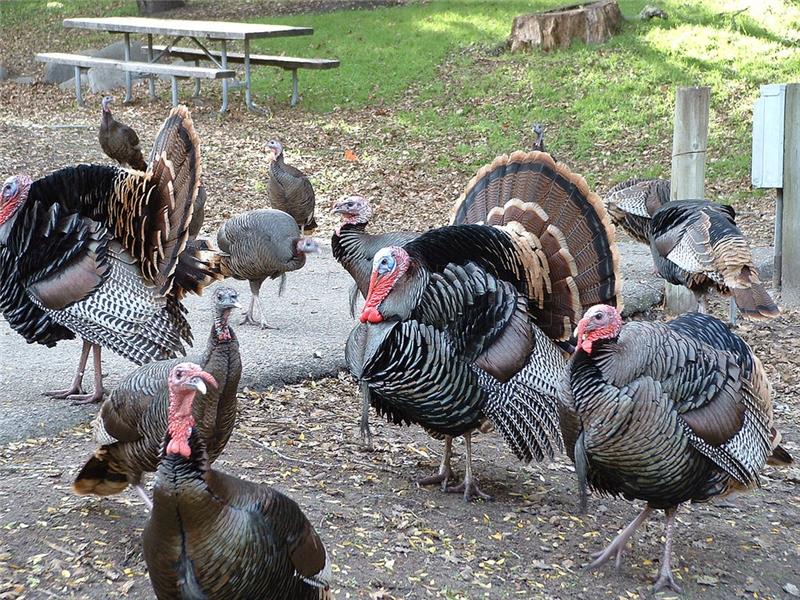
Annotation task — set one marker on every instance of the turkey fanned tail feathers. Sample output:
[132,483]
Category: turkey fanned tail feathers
[97,251]
[563,241]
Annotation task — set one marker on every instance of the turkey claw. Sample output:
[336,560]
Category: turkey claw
[442,477]
[665,580]
[93,398]
[265,326]
[471,491]
[64,394]
[603,556]
[366,438]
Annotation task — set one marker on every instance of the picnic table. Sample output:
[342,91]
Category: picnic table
[216,32]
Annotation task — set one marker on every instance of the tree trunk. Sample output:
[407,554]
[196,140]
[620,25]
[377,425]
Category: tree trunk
[149,7]
[592,22]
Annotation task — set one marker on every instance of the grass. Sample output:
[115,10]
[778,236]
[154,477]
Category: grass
[438,65]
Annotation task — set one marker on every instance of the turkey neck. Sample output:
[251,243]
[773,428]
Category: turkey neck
[106,119]
[179,481]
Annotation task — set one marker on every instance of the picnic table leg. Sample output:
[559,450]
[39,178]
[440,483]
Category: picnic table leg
[174,91]
[128,74]
[197,81]
[248,94]
[150,58]
[295,95]
[224,61]
[78,94]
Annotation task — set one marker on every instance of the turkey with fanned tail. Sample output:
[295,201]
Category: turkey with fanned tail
[100,253]
[465,325]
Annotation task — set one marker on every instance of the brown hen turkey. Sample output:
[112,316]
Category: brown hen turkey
[217,537]
[465,325]
[665,413]
[290,190]
[100,253]
[259,245]
[131,424]
[119,141]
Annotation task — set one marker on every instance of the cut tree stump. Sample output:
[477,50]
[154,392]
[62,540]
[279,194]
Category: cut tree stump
[592,22]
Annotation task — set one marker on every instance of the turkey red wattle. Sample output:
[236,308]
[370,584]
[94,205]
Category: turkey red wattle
[185,380]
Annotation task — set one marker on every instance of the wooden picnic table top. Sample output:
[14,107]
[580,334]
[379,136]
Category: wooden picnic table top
[227,30]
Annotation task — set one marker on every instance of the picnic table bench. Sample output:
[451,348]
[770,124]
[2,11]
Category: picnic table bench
[80,61]
[215,31]
[288,63]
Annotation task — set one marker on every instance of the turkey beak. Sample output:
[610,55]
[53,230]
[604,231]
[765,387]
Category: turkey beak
[230,303]
[200,380]
[337,210]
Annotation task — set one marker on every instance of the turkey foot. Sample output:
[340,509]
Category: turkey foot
[63,394]
[470,489]
[78,399]
[75,386]
[665,579]
[445,471]
[616,547]
[442,477]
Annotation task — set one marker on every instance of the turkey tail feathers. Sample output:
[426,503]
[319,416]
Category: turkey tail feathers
[98,478]
[198,267]
[560,229]
[755,302]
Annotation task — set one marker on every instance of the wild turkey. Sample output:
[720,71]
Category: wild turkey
[259,245]
[211,535]
[354,249]
[664,413]
[131,424]
[460,324]
[633,203]
[119,141]
[538,142]
[290,190]
[696,243]
[99,252]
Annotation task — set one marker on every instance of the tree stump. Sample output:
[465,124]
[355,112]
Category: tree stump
[150,7]
[592,22]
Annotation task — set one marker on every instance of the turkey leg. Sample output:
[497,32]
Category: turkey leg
[616,547]
[469,486]
[249,316]
[732,311]
[445,471]
[97,394]
[75,388]
[665,579]
[366,432]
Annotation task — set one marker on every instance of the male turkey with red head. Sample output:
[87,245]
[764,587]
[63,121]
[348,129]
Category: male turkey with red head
[665,413]
[464,325]
[215,536]
[100,253]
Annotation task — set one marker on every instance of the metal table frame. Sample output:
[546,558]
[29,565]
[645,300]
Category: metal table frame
[221,31]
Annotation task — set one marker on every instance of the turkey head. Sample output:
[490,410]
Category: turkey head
[275,148]
[600,322]
[15,192]
[395,286]
[185,381]
[354,210]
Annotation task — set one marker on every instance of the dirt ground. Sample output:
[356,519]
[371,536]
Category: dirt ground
[387,537]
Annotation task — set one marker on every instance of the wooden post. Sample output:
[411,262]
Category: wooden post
[790,285]
[689,143]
